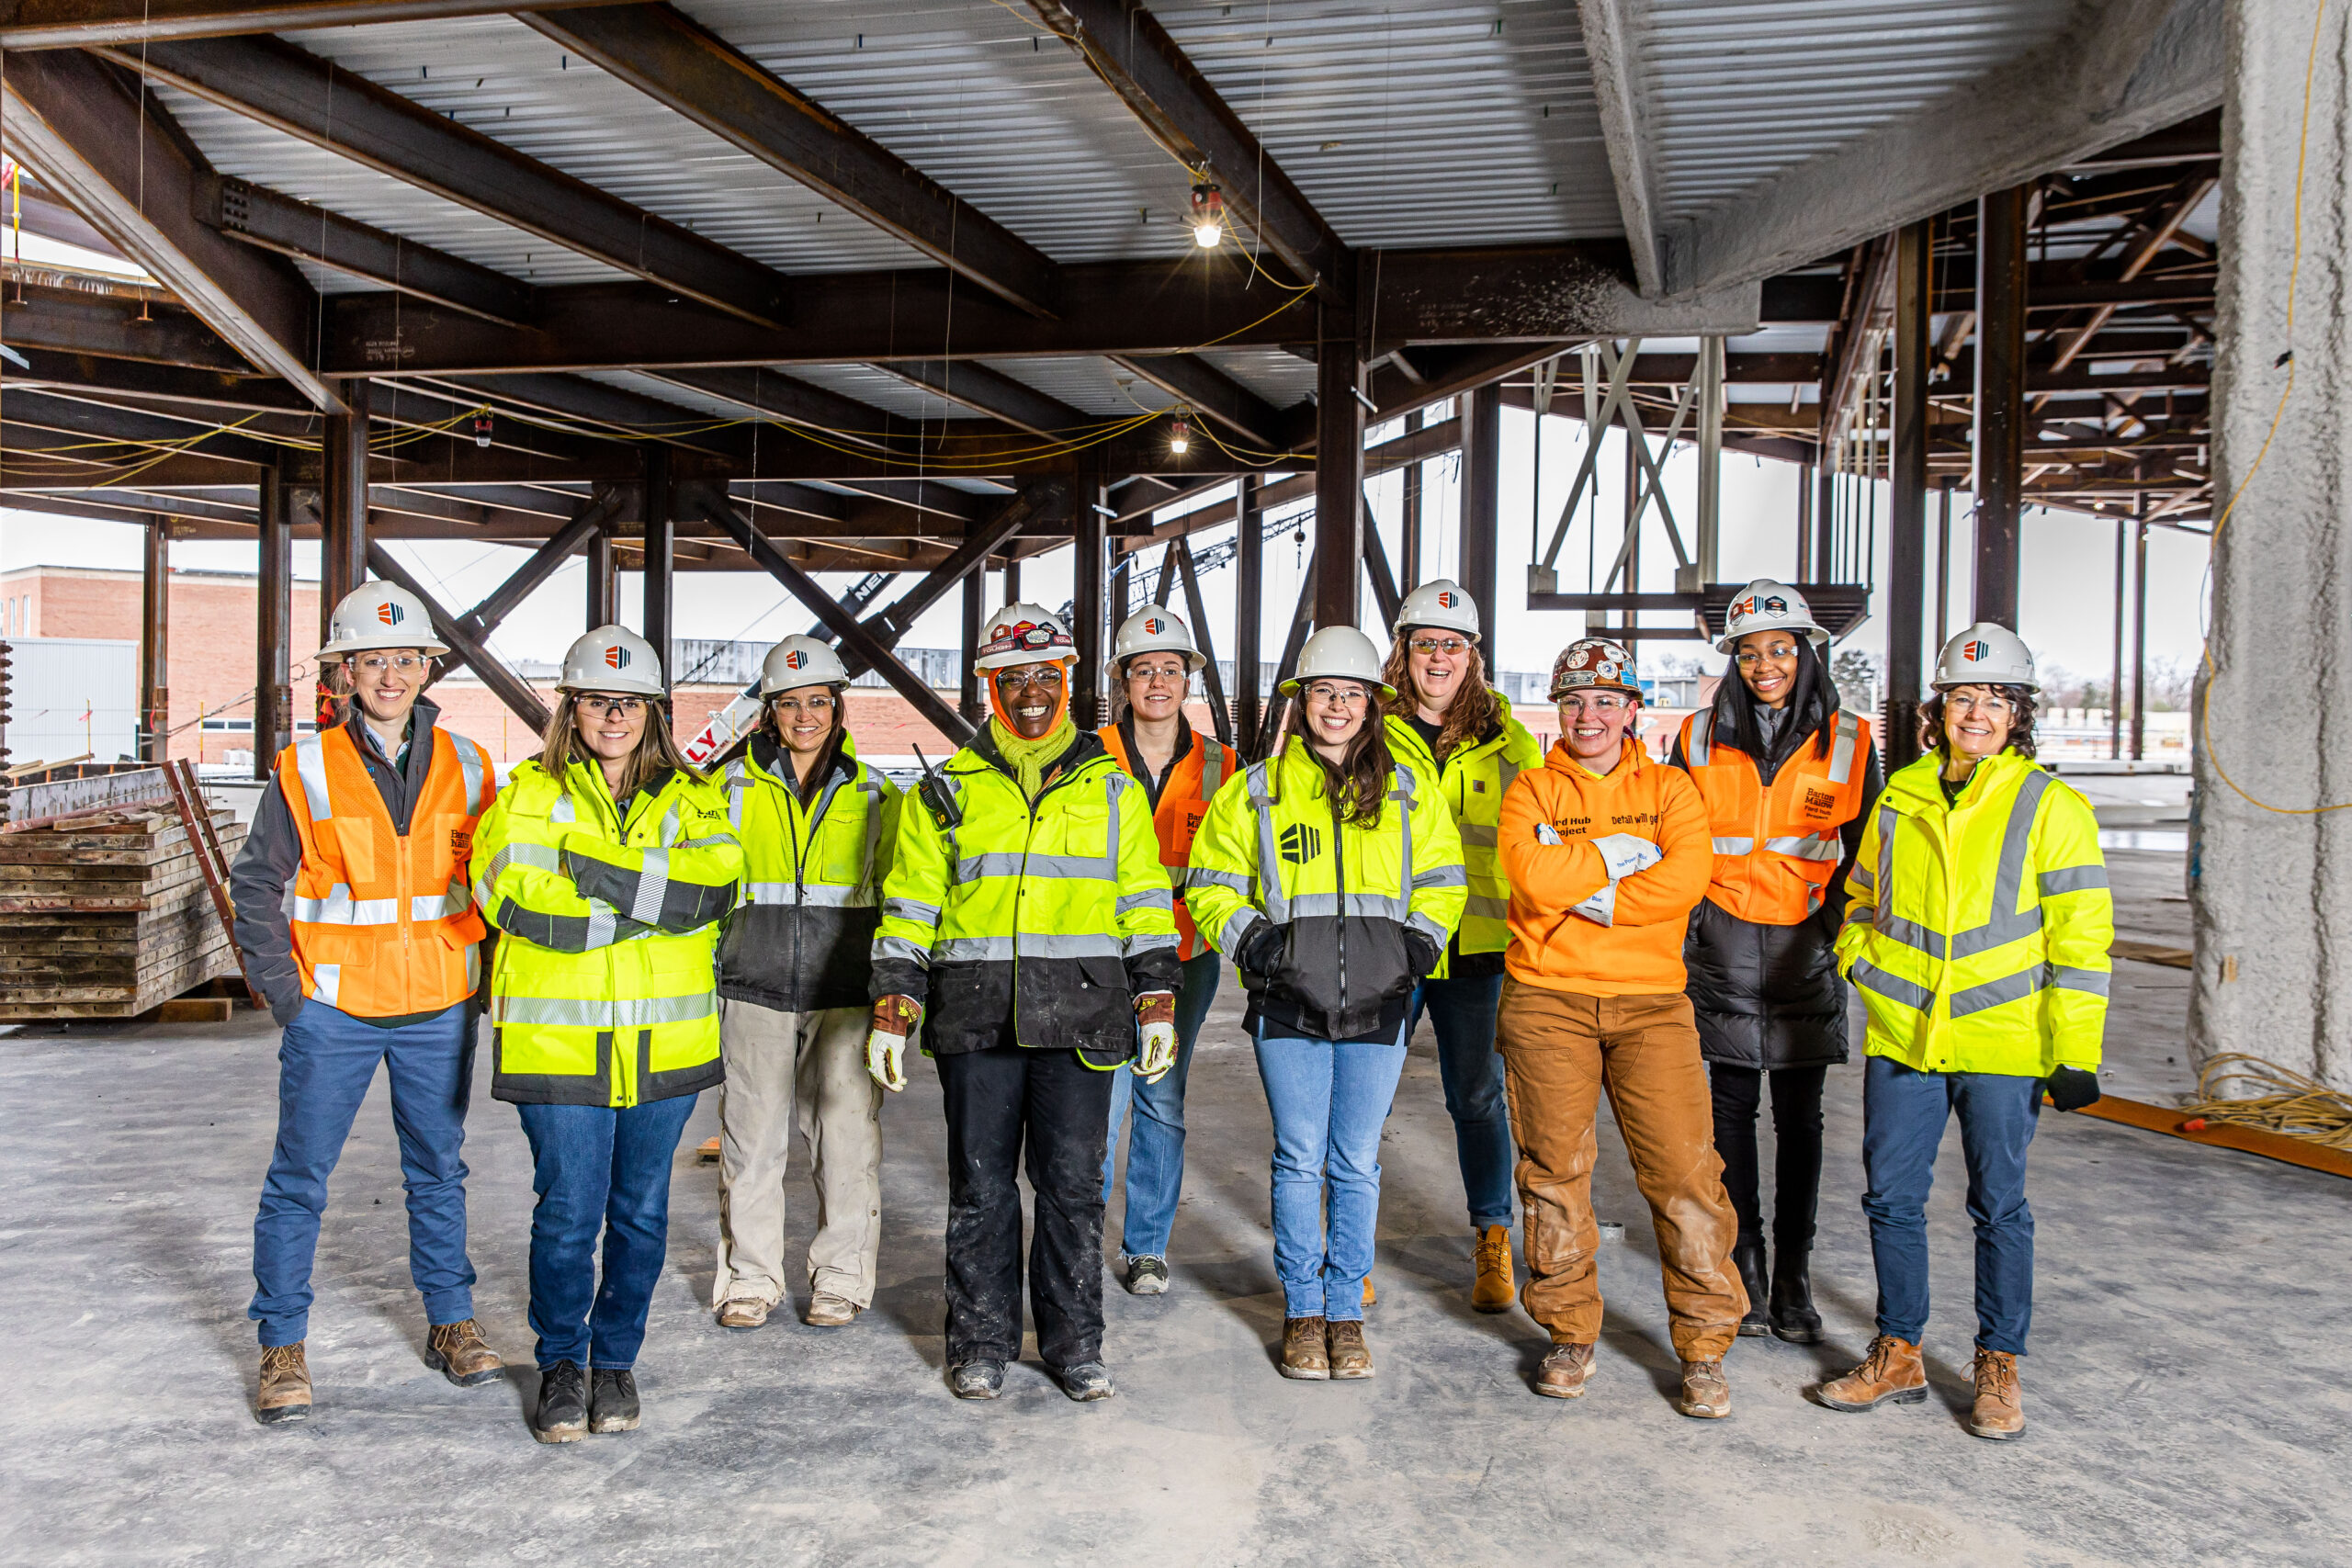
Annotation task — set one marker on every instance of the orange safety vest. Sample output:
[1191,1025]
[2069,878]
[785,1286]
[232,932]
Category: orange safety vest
[384,924]
[1193,779]
[1776,849]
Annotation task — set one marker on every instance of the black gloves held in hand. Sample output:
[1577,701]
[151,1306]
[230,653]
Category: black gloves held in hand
[1261,949]
[1425,952]
[2071,1088]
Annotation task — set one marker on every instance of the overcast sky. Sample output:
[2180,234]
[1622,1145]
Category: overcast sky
[2067,598]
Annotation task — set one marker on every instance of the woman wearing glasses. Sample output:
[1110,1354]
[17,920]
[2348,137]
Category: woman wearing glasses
[1450,726]
[1789,780]
[815,825]
[606,865]
[1179,771]
[1978,932]
[1332,878]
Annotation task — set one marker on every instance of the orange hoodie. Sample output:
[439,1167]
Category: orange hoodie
[1641,952]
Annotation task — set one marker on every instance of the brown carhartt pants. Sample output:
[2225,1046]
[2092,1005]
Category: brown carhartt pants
[1560,1050]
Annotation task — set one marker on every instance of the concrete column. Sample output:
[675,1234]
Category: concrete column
[2269,879]
[2001,234]
[1338,480]
[1248,609]
[273,627]
[1906,588]
[660,558]
[1482,479]
[154,642]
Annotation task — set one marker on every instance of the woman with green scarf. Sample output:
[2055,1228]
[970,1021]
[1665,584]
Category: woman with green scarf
[1027,914]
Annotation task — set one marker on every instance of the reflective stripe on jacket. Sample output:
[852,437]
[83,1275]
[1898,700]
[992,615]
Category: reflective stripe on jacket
[1274,847]
[1473,781]
[1777,845]
[1034,923]
[604,992]
[383,923]
[1978,932]
[1192,782]
[803,938]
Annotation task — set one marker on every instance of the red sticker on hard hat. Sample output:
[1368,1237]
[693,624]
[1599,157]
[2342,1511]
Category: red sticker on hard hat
[1152,625]
[1444,599]
[796,660]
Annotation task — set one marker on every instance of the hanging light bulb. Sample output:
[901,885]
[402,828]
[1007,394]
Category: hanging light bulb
[1208,216]
[1179,437]
[482,428]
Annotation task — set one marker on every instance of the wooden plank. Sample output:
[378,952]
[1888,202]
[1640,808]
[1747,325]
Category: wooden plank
[2152,952]
[2221,1134]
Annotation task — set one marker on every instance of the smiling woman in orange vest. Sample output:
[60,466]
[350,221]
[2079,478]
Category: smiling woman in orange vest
[1788,779]
[1180,771]
[355,921]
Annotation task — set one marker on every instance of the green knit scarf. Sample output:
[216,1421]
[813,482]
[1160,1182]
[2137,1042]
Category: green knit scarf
[1030,758]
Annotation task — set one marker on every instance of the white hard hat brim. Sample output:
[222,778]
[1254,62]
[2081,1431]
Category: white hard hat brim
[1193,657]
[987,664]
[342,645]
[1296,685]
[1818,636]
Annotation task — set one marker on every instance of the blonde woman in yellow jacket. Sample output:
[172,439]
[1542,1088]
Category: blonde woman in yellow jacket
[606,867]
[1977,924]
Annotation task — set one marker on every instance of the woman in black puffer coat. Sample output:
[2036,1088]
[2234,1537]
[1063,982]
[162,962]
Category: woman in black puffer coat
[1789,781]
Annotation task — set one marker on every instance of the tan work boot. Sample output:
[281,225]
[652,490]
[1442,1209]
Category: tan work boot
[1892,1373]
[1999,1412]
[1305,1355]
[1493,1289]
[1706,1393]
[1350,1357]
[743,1311]
[827,1310]
[1370,1295]
[459,1352]
[285,1385]
[1564,1371]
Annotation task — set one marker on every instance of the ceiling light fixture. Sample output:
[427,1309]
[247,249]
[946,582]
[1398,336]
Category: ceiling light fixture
[482,428]
[1208,216]
[1179,437]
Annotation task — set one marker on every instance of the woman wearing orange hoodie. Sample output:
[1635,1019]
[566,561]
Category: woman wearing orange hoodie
[1607,853]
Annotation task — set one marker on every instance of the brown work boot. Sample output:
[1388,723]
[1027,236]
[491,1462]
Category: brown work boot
[1493,1291]
[1999,1412]
[1350,1357]
[1892,1373]
[459,1352]
[743,1311]
[1305,1355]
[1370,1295]
[285,1385]
[1706,1393]
[1564,1371]
[827,1310]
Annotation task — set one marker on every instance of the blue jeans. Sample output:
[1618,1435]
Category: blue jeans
[1155,1146]
[597,1168]
[1328,1102]
[325,1062]
[1463,1012]
[1904,1113]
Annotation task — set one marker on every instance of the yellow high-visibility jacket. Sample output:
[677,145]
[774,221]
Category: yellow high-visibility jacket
[812,879]
[604,992]
[1978,932]
[1473,783]
[1274,849]
[1050,918]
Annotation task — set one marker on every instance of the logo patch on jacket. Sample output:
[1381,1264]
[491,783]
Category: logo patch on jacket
[1477,787]
[1819,806]
[461,843]
[1301,844]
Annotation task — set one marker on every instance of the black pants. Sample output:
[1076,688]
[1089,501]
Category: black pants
[997,1100]
[1797,1129]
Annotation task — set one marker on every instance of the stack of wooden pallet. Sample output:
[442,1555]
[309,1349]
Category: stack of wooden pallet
[107,916]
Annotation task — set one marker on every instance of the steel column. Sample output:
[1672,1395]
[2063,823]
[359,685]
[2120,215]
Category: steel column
[1220,713]
[155,632]
[2002,233]
[1338,481]
[1943,566]
[1087,596]
[1825,518]
[1906,590]
[274,626]
[1482,475]
[1248,609]
[604,592]
[343,522]
[1409,562]
[2139,641]
[1711,455]
[660,551]
[1804,524]
[968,701]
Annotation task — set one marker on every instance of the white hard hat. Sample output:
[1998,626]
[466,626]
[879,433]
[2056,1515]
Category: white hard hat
[379,615]
[1154,630]
[612,659]
[1768,605]
[1985,655]
[800,661]
[1025,634]
[1440,603]
[1339,653]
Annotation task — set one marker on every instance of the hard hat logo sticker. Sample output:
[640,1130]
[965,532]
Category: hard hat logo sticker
[1975,649]
[1776,606]
[616,657]
[796,660]
[392,615]
[1444,599]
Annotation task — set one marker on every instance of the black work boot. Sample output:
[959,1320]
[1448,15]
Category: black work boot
[1748,1255]
[612,1401]
[1794,1318]
[563,1404]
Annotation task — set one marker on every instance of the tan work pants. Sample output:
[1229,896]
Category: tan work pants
[1560,1050]
[814,1063]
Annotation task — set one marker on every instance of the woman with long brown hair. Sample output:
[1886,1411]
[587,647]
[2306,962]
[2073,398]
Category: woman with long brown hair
[1459,732]
[1331,875]
[606,865]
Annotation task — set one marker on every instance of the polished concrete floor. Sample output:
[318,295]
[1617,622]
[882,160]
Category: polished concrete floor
[2187,1391]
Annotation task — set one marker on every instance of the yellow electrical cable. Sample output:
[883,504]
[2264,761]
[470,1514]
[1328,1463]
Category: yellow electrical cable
[2292,1104]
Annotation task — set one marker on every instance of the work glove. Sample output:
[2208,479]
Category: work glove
[1624,854]
[886,1040]
[1601,907]
[1261,949]
[1424,952]
[1156,1021]
[2071,1088]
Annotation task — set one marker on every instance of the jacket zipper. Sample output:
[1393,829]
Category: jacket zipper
[1340,874]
